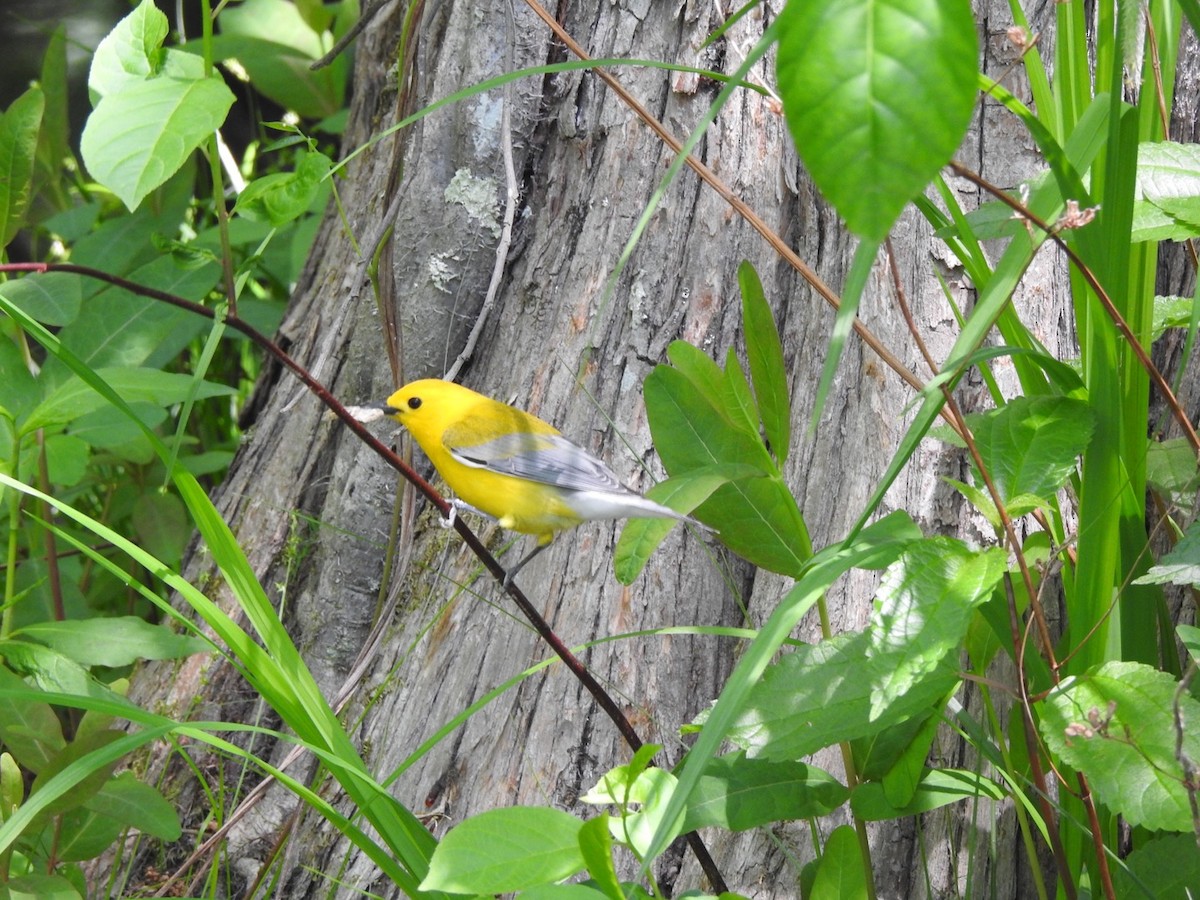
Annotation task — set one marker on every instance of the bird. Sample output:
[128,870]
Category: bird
[512,466]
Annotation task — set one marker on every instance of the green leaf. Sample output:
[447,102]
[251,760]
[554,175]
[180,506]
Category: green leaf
[767,366]
[648,790]
[140,136]
[29,729]
[840,871]
[1030,444]
[1171,468]
[130,52]
[52,298]
[118,328]
[83,834]
[828,692]
[75,398]
[162,526]
[40,887]
[896,756]
[66,459]
[135,804]
[116,641]
[938,788]
[54,144]
[1166,867]
[506,850]
[878,96]
[12,786]
[1122,737]
[737,793]
[924,606]
[283,196]
[596,845]
[85,786]
[19,127]
[641,537]
[1179,566]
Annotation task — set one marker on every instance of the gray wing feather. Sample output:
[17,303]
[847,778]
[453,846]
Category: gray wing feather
[544,458]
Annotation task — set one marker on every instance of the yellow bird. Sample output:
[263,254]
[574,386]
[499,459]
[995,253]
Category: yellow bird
[511,465]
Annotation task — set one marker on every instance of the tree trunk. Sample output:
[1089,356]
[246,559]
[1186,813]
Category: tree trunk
[554,343]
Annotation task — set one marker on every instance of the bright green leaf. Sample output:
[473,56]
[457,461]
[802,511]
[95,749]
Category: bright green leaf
[1165,867]
[1030,445]
[130,52]
[12,786]
[1116,726]
[596,845]
[52,298]
[878,95]
[140,136]
[925,603]
[840,871]
[83,834]
[283,196]
[506,850]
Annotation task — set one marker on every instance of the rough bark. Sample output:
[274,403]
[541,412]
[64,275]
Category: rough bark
[555,344]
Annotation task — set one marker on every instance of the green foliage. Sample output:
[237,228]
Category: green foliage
[878,95]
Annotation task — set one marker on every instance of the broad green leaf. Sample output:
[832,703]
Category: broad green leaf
[135,804]
[1171,312]
[642,794]
[83,834]
[86,786]
[74,397]
[506,850]
[737,793]
[29,729]
[1167,170]
[1165,867]
[938,788]
[19,127]
[641,537]
[877,95]
[130,52]
[104,430]
[52,298]
[1181,565]
[1030,445]
[924,605]
[283,196]
[39,886]
[66,459]
[767,367]
[708,381]
[140,136]
[1171,468]
[840,873]
[1189,636]
[827,692]
[21,391]
[1122,737]
[876,546]
[896,757]
[116,641]
[118,328]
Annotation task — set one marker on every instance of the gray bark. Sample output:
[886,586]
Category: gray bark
[556,345]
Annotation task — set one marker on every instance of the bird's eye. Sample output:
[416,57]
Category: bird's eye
[414,402]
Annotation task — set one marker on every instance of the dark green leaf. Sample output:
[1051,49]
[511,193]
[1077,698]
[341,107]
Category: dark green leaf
[84,834]
[135,804]
[1166,867]
[878,96]
[938,787]
[737,793]
[86,786]
[18,148]
[767,368]
[29,729]
[52,298]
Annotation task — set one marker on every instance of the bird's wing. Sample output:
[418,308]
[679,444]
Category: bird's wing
[544,458]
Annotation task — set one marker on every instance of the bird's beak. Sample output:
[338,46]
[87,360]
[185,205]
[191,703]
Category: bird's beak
[382,407]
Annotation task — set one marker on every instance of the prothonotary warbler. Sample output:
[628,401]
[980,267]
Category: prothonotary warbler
[513,466]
